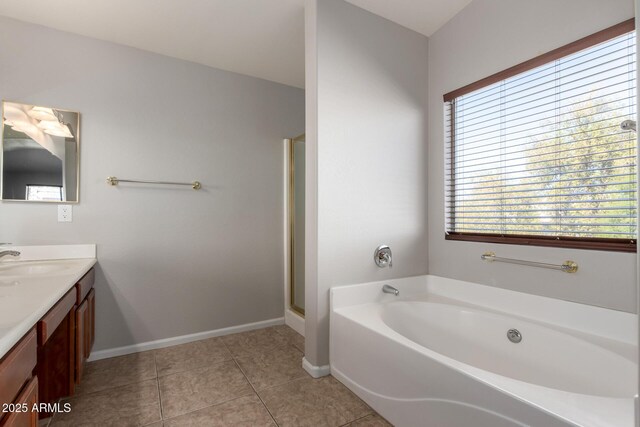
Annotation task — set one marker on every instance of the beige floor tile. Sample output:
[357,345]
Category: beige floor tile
[294,338]
[130,405]
[279,366]
[117,371]
[313,402]
[254,342]
[179,358]
[245,411]
[373,420]
[198,388]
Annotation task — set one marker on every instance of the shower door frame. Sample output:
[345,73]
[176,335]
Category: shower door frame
[292,222]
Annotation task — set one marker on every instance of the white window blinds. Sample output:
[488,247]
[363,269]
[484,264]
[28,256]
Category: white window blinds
[542,153]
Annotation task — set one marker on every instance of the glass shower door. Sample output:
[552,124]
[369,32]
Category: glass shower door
[296,222]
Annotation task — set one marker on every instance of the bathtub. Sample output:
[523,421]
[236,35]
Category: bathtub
[439,355]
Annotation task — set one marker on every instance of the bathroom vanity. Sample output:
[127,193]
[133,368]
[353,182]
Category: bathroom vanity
[47,328]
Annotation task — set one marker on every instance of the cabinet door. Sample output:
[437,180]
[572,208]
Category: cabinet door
[91,330]
[82,329]
[26,400]
[55,368]
[16,368]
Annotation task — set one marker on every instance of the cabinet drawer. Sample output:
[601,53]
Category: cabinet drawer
[48,324]
[26,400]
[84,285]
[16,367]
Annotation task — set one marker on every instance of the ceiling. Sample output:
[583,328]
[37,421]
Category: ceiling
[260,38]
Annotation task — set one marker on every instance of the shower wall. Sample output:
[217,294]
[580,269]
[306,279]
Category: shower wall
[366,91]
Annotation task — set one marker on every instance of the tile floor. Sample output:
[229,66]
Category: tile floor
[248,379]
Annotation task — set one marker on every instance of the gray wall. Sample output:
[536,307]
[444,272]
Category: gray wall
[367,137]
[172,261]
[486,37]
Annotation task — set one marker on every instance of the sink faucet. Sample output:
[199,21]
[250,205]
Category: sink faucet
[10,253]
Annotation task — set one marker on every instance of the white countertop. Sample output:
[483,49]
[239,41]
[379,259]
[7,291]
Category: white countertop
[24,297]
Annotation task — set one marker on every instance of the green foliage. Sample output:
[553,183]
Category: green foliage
[574,177]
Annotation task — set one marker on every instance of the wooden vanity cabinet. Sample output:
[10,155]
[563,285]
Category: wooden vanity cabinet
[15,371]
[26,400]
[47,362]
[85,322]
[56,351]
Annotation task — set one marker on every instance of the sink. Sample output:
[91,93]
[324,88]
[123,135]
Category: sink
[31,268]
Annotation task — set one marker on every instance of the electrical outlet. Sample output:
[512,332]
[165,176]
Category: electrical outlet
[65,213]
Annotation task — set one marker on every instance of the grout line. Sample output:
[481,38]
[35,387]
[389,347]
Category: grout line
[227,347]
[289,340]
[206,407]
[287,382]
[48,421]
[155,365]
[256,393]
[360,418]
[78,396]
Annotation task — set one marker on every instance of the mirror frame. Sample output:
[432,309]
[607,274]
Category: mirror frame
[62,202]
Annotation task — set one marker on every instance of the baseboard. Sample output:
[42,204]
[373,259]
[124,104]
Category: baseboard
[183,339]
[294,321]
[315,371]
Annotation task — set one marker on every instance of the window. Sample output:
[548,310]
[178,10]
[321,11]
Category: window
[44,193]
[536,154]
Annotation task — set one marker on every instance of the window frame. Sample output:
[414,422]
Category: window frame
[606,244]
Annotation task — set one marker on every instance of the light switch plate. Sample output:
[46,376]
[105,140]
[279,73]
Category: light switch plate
[65,213]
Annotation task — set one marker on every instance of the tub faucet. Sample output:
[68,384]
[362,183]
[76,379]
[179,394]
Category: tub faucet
[11,253]
[388,289]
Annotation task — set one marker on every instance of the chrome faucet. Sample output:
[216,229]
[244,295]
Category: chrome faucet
[388,289]
[10,253]
[382,256]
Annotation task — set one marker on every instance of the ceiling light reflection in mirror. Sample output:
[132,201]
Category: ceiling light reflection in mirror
[40,147]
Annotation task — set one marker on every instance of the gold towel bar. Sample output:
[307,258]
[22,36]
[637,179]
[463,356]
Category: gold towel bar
[112,180]
[567,266]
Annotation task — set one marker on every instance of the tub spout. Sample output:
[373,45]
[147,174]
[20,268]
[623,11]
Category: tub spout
[388,289]
[9,253]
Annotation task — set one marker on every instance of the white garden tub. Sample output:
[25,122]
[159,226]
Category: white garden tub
[438,355]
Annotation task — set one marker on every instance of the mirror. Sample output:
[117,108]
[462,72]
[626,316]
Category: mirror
[40,147]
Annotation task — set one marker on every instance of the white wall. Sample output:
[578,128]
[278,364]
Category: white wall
[486,37]
[172,261]
[366,134]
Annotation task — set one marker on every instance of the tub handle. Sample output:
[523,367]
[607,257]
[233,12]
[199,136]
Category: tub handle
[382,256]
